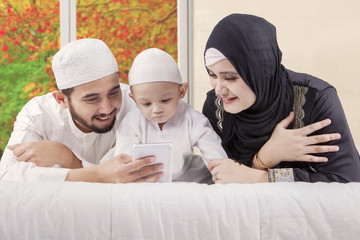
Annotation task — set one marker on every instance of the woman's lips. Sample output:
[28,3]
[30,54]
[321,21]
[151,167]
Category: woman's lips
[228,100]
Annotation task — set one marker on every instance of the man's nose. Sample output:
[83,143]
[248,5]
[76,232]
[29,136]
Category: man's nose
[106,106]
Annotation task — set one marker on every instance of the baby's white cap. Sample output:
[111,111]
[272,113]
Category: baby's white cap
[83,61]
[154,65]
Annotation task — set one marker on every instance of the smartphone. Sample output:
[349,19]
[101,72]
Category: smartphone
[163,153]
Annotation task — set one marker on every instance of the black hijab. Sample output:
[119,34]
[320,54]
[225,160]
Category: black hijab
[250,44]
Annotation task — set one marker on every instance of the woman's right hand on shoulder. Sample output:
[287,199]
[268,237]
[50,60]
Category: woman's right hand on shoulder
[295,144]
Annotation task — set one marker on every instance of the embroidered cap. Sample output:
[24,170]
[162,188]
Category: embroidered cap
[154,65]
[83,61]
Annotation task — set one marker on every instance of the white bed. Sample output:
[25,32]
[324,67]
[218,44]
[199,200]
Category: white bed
[53,210]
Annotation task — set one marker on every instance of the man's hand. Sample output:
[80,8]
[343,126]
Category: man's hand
[45,154]
[119,169]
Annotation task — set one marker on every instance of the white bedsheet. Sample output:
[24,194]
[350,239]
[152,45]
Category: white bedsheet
[53,210]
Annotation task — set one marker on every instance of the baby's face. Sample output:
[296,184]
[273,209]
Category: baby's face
[157,101]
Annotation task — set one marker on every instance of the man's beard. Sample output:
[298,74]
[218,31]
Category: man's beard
[91,127]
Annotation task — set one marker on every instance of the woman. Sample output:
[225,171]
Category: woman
[253,93]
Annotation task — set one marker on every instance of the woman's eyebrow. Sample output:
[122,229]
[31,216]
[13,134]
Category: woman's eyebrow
[228,72]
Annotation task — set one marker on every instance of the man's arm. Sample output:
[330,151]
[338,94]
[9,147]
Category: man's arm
[30,126]
[45,154]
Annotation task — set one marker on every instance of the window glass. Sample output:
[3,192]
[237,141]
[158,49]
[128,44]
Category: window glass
[129,27]
[29,37]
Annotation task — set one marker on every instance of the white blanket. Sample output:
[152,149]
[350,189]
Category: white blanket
[53,210]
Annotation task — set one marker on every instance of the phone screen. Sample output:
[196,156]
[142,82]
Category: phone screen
[163,153]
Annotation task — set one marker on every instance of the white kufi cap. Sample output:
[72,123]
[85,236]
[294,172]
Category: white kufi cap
[83,61]
[154,65]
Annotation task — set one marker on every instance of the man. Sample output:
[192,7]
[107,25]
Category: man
[75,127]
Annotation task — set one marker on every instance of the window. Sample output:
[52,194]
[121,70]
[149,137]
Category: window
[31,33]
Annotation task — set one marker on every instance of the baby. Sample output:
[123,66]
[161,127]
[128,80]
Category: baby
[161,116]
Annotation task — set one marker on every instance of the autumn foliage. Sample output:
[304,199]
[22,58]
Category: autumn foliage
[30,36]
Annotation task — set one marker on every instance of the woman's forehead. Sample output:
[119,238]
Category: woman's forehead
[222,67]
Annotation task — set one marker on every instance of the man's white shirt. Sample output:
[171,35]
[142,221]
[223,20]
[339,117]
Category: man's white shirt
[42,119]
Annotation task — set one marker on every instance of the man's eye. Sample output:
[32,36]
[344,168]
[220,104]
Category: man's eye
[92,100]
[114,93]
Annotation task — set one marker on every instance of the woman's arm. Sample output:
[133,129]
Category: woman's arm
[326,164]
[295,144]
[228,171]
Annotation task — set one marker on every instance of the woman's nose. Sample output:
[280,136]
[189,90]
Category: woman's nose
[220,89]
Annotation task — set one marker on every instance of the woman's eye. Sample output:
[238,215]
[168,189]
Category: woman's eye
[212,75]
[230,78]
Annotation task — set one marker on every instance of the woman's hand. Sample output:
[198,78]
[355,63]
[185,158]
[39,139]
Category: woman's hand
[295,144]
[228,171]
[45,154]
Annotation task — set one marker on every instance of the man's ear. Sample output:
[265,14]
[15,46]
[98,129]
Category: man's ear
[183,89]
[61,99]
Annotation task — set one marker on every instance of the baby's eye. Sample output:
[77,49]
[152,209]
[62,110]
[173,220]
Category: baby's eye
[165,100]
[146,104]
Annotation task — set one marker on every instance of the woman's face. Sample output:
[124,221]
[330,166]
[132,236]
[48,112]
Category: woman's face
[235,93]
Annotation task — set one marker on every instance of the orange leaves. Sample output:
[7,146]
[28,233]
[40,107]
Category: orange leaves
[139,32]
[35,89]
[27,29]
[41,30]
[30,86]
[4,48]
[129,27]
[48,69]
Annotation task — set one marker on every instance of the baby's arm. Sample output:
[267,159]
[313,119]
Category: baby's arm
[206,139]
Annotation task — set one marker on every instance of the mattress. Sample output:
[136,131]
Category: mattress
[78,210]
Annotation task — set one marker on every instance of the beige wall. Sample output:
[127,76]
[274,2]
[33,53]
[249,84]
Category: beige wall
[319,37]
